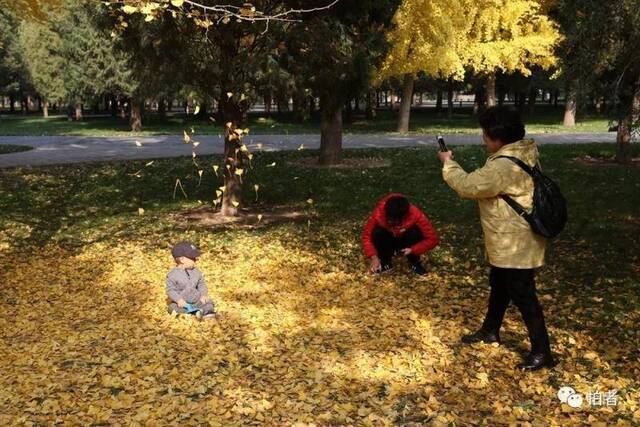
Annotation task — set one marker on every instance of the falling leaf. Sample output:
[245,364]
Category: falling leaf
[212,119]
[239,172]
[310,201]
[140,211]
[196,110]
[138,144]
[301,147]
[259,146]
[193,154]
[187,138]
[271,165]
[229,94]
[128,9]
[242,97]
[235,204]
[223,188]
[200,175]
[195,144]
[256,188]
[215,169]
[149,163]
[218,193]
[177,3]
[259,217]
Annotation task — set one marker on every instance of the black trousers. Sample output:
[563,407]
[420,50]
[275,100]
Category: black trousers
[387,244]
[517,285]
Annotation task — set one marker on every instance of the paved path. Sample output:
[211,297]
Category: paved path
[50,150]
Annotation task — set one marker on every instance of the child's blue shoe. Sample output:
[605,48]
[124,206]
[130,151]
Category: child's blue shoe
[190,309]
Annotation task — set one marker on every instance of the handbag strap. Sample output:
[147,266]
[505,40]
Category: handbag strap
[525,167]
[515,205]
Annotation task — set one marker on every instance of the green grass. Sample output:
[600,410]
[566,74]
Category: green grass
[8,148]
[546,119]
[76,229]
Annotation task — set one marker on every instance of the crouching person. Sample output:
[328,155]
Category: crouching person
[396,227]
[185,284]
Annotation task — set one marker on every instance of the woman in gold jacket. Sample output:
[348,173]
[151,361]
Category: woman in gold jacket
[512,249]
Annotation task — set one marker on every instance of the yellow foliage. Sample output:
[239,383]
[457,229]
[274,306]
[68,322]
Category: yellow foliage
[307,337]
[445,37]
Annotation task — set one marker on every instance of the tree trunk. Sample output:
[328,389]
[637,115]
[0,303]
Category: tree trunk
[78,112]
[629,117]
[371,110]
[136,117]
[331,138]
[232,194]
[491,90]
[12,102]
[533,94]
[571,102]
[348,112]
[162,108]
[268,99]
[450,99]
[439,101]
[113,107]
[45,108]
[405,105]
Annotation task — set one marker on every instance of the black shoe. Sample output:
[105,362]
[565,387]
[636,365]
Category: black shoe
[536,361]
[418,269]
[481,336]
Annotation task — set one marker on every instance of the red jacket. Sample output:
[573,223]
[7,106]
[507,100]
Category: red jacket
[414,217]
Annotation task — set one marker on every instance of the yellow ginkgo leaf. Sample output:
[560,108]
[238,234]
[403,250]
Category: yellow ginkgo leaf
[140,211]
[239,172]
[223,188]
[271,165]
[149,163]
[229,94]
[310,201]
[128,9]
[138,144]
[200,172]
[301,147]
[195,144]
[235,204]
[218,193]
[187,138]
[196,110]
[215,169]
[242,97]
[177,3]
[259,217]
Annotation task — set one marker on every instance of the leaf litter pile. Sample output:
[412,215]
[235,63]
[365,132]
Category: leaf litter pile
[308,338]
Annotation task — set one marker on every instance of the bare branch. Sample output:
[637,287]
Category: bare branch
[225,12]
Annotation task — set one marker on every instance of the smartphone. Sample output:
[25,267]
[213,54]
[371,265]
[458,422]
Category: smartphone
[443,146]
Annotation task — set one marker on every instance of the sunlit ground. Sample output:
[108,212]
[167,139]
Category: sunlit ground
[307,336]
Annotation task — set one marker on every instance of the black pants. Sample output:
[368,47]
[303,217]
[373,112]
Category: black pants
[517,285]
[387,244]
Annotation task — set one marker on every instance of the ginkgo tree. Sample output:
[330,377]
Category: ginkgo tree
[226,48]
[442,38]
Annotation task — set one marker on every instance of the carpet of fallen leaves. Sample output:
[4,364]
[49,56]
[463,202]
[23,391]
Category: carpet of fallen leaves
[307,338]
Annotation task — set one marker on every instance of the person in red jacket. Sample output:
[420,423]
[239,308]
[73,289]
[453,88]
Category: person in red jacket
[397,226]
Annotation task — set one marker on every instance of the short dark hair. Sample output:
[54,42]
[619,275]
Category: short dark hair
[502,123]
[396,208]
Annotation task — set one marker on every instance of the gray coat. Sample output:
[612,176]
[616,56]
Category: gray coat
[186,284]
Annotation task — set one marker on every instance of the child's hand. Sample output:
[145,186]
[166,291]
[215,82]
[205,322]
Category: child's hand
[181,303]
[204,299]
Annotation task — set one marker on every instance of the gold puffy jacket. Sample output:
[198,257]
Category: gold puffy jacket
[508,239]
